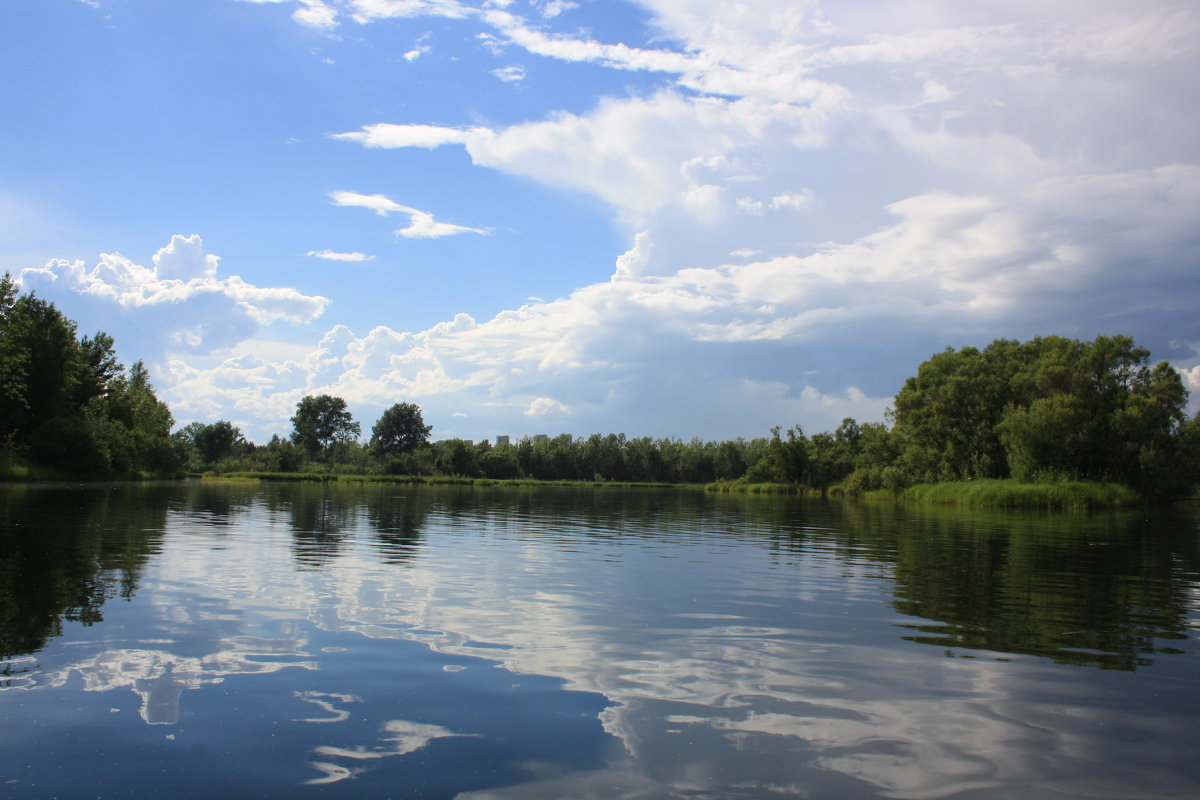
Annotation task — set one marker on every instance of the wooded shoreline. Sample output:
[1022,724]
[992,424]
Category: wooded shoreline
[1050,422]
[1064,495]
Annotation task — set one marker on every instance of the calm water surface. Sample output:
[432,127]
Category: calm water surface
[206,639]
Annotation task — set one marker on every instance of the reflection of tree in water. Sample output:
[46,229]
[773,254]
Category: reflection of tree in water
[219,502]
[1103,590]
[65,551]
[396,519]
[321,521]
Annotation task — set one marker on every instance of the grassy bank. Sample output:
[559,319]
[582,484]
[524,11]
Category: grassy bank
[13,472]
[433,480]
[740,487]
[1012,494]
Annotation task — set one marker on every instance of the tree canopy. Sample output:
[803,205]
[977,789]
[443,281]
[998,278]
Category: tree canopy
[67,403]
[320,422]
[1048,408]
[400,429]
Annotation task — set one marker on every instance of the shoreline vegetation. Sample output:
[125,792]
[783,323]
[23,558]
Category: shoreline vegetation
[1047,423]
[1008,493]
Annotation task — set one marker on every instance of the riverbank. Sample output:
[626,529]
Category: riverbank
[982,494]
[26,473]
[1070,495]
[436,480]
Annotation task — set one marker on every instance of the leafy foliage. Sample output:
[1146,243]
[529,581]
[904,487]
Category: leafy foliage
[320,422]
[68,404]
[1047,409]
[400,429]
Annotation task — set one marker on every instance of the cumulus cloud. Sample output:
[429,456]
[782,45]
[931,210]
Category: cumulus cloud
[785,338]
[884,180]
[543,406]
[180,295]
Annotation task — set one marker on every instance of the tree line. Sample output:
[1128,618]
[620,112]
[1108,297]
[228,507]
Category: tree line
[326,438]
[1047,409]
[67,404]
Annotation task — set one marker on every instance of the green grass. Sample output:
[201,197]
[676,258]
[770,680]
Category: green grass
[740,487]
[1012,494]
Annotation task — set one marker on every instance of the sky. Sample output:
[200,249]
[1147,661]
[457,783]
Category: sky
[686,218]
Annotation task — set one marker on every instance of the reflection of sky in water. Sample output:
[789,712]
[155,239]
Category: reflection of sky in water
[728,670]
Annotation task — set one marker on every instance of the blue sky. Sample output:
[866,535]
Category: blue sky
[669,217]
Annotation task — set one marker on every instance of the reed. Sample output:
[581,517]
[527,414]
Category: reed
[1014,494]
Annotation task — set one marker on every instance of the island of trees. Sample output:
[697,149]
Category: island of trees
[1042,412]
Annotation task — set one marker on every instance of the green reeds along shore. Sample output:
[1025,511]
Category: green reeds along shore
[983,493]
[433,480]
[741,487]
[1013,494]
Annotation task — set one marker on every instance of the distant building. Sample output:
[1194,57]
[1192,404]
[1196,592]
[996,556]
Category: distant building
[501,440]
[540,437]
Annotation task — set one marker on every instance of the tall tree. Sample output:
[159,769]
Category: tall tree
[1047,408]
[400,429]
[320,422]
[215,441]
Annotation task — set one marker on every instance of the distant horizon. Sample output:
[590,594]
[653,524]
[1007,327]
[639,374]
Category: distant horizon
[680,220]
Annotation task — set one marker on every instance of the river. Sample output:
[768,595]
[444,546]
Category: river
[201,639]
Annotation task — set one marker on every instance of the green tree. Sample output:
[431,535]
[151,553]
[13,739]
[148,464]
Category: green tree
[68,404]
[214,442]
[320,422]
[400,430]
[499,461]
[782,461]
[1040,410]
[456,457]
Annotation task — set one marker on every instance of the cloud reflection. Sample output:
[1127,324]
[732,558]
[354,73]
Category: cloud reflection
[774,675]
[160,677]
[397,738]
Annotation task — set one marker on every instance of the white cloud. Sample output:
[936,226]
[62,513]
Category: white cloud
[491,43]
[421,223]
[332,255]
[783,339]
[796,202]
[367,10]
[420,48]
[423,226]
[379,203]
[386,135]
[179,301]
[184,259]
[886,179]
[553,8]
[510,74]
[545,406]
[621,56]
[316,14]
